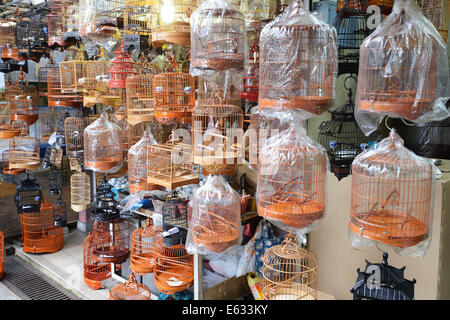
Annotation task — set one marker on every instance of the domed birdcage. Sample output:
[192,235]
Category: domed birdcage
[113,245]
[24,153]
[256,11]
[2,249]
[94,271]
[60,212]
[142,257]
[104,207]
[23,100]
[80,189]
[175,221]
[74,129]
[28,196]
[5,165]
[289,272]
[100,20]
[438,12]
[130,290]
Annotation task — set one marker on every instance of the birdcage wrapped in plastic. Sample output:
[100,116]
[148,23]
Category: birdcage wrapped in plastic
[392,198]
[216,217]
[403,70]
[102,149]
[298,62]
[142,256]
[292,173]
[94,271]
[98,19]
[130,290]
[438,12]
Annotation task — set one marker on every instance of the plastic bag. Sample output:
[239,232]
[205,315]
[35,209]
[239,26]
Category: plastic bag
[216,217]
[298,62]
[403,70]
[392,198]
[266,241]
[226,263]
[247,263]
[292,172]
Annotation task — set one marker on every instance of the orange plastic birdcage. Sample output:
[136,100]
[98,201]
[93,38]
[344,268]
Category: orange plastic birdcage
[142,257]
[74,138]
[24,153]
[55,25]
[384,5]
[80,190]
[58,97]
[140,102]
[39,233]
[5,165]
[2,249]
[23,100]
[122,67]
[438,12]
[289,272]
[111,241]
[391,195]
[130,290]
[174,268]
[94,271]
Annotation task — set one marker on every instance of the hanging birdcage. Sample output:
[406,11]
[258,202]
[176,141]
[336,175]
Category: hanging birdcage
[24,153]
[60,212]
[31,32]
[174,268]
[217,37]
[104,208]
[385,6]
[74,128]
[95,71]
[438,12]
[39,233]
[142,257]
[42,77]
[8,40]
[289,272]
[216,216]
[28,196]
[140,102]
[175,221]
[58,97]
[23,100]
[391,195]
[94,271]
[102,151]
[251,80]
[122,67]
[51,121]
[174,94]
[5,165]
[71,73]
[100,19]
[114,246]
[10,129]
[55,183]
[55,25]
[80,189]
[256,11]
[230,93]
[2,249]
[130,290]
[137,16]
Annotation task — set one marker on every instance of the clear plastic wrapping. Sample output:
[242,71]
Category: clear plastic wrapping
[298,62]
[403,70]
[392,198]
[216,217]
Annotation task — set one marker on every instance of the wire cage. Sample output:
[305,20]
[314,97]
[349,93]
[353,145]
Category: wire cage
[384,5]
[74,137]
[130,290]
[23,100]
[2,253]
[438,12]
[5,165]
[31,32]
[122,67]
[231,94]
[175,221]
[170,21]
[39,233]
[137,16]
[94,271]
[58,97]
[217,37]
[391,195]
[56,25]
[114,246]
[51,121]
[289,272]
[104,208]
[142,256]
[55,181]
[71,72]
[255,11]
[10,129]
[60,212]
[28,196]
[42,77]
[174,94]
[80,190]
[7,37]
[298,62]
[100,19]
[174,268]
[251,80]
[140,102]
[24,153]
[102,149]
[95,71]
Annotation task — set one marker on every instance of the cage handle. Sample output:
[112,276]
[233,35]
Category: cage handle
[173,64]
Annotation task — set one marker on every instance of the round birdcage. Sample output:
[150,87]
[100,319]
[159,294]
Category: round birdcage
[2,249]
[122,67]
[28,196]
[111,241]
[80,189]
[5,165]
[391,195]
[74,137]
[175,221]
[60,212]
[140,102]
[24,153]
[142,257]
[130,290]
[289,272]
[23,100]
[438,12]
[94,271]
[104,208]
[58,97]
[10,129]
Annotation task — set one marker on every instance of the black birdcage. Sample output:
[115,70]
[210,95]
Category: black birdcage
[55,182]
[175,221]
[104,208]
[380,281]
[60,212]
[31,31]
[28,196]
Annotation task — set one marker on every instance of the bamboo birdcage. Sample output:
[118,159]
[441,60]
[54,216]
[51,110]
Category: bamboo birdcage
[130,290]
[298,62]
[140,98]
[2,249]
[10,129]
[31,30]
[114,246]
[23,100]
[55,24]
[60,212]
[174,268]
[255,11]
[122,67]
[384,5]
[142,257]
[42,77]
[174,94]
[438,12]
[5,165]
[80,190]
[289,272]
[7,37]
[24,153]
[94,71]
[72,72]
[137,16]
[217,37]
[231,94]
[39,234]
[51,121]
[58,97]
[100,18]
[74,137]
[391,195]
[94,271]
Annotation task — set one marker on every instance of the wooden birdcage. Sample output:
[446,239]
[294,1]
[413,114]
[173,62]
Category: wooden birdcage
[174,94]
[142,257]
[384,5]
[51,121]
[23,100]
[175,215]
[122,67]
[170,21]
[39,234]
[24,153]
[114,244]
[28,196]
[391,195]
[74,128]
[302,74]
[94,271]
[389,85]
[42,77]
[231,94]
[95,71]
[10,129]
[137,16]
[438,12]
[57,97]
[7,36]
[5,165]
[174,268]
[217,37]
[2,253]
[216,216]
[140,102]
[289,272]
[71,73]
[55,24]
[130,290]
[255,11]
[251,80]
[102,149]
[55,182]
[60,212]
[80,189]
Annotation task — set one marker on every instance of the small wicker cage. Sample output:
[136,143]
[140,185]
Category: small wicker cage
[55,24]
[122,67]
[130,290]
[24,153]
[80,188]
[2,249]
[74,137]
[58,97]
[384,5]
[438,12]
[289,272]
[114,246]
[140,102]
[142,257]
[23,100]
[5,165]
[94,271]
[174,268]
[174,94]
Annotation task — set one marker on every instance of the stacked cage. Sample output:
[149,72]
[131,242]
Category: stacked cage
[137,16]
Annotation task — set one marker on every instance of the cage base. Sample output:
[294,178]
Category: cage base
[79,207]
[28,119]
[31,165]
[287,293]
[181,38]
[103,165]
[135,119]
[110,255]
[174,182]
[314,105]
[2,275]
[402,107]
[162,279]
[12,172]
[214,242]
[143,263]
[89,101]
[48,245]
[170,116]
[9,133]
[220,64]
[141,186]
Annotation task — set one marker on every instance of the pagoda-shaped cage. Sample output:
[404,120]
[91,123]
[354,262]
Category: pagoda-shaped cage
[389,85]
[58,97]
[142,257]
[71,72]
[55,24]
[102,148]
[137,16]
[10,129]
[218,37]
[140,98]
[251,80]
[175,215]
[74,128]
[39,233]
[24,153]
[216,216]
[255,11]
[170,21]
[298,62]
[7,36]
[123,66]
[80,190]
[105,207]
[169,165]
[384,5]
[289,272]
[60,212]
[174,268]
[391,195]
[438,12]
[23,101]
[174,94]
[28,196]
[114,246]
[5,165]
[94,271]
[2,253]
[130,290]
